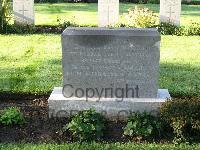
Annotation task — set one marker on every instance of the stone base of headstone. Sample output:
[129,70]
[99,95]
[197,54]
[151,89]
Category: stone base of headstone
[111,108]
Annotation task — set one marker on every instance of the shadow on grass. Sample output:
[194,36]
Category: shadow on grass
[37,78]
[187,10]
[182,80]
[41,77]
[63,8]
[66,7]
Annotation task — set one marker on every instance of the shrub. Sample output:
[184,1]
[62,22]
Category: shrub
[86,125]
[183,116]
[154,1]
[20,29]
[163,28]
[4,14]
[193,29]
[11,116]
[142,125]
[67,23]
[140,18]
[142,1]
[191,2]
[169,29]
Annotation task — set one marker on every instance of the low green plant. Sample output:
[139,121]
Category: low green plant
[21,29]
[86,125]
[169,29]
[142,1]
[183,115]
[193,29]
[153,1]
[11,116]
[191,2]
[142,125]
[67,23]
[140,18]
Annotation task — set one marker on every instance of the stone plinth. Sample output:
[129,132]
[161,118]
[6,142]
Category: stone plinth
[111,108]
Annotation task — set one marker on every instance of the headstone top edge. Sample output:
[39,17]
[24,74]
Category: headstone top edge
[112,31]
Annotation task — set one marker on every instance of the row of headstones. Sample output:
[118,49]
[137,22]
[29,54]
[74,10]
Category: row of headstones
[108,12]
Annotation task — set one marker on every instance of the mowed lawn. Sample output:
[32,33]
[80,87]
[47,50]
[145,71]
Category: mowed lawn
[32,64]
[98,146]
[86,14]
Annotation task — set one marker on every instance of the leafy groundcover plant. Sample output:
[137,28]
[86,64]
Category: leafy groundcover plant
[86,125]
[11,116]
[142,126]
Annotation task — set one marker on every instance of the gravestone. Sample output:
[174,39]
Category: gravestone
[170,11]
[23,12]
[112,70]
[108,12]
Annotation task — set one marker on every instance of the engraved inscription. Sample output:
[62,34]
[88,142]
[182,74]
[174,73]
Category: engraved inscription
[128,60]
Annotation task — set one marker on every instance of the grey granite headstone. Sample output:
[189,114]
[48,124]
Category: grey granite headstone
[122,60]
[108,12]
[24,12]
[170,11]
[114,71]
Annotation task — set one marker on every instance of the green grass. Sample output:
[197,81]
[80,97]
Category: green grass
[180,65]
[117,146]
[86,14]
[32,64]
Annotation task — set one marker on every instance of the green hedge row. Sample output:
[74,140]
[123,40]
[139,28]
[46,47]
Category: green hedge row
[163,28]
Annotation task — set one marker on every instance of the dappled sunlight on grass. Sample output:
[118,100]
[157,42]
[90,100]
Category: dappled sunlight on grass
[32,63]
[180,65]
[82,12]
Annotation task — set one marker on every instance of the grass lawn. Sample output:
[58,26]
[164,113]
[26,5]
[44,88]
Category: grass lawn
[32,64]
[117,146]
[86,14]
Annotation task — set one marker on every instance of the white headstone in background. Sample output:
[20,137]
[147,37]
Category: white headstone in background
[170,11]
[24,12]
[108,12]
